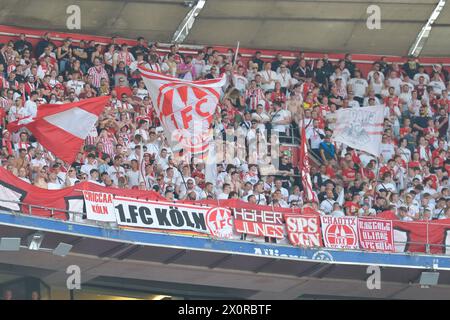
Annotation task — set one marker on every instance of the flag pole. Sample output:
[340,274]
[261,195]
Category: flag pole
[236,53]
[141,160]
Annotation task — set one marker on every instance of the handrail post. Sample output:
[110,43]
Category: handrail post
[427,246]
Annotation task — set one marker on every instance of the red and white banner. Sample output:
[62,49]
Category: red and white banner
[173,217]
[62,128]
[340,232]
[304,230]
[376,235]
[259,223]
[14,190]
[360,128]
[185,109]
[99,206]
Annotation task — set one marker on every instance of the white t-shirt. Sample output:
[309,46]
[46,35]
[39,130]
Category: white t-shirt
[284,79]
[425,76]
[280,115]
[438,86]
[240,82]
[198,66]
[327,205]
[116,173]
[359,86]
[133,178]
[387,150]
[30,108]
[266,75]
[396,83]
[284,192]
[86,168]
[76,85]
[314,136]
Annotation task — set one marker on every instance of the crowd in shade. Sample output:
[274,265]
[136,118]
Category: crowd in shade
[262,98]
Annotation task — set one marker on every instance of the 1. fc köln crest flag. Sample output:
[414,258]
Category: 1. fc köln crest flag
[185,109]
[62,128]
[360,128]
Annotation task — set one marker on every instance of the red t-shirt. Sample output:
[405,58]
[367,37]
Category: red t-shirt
[368,173]
[414,164]
[349,173]
[352,208]
[121,90]
[385,169]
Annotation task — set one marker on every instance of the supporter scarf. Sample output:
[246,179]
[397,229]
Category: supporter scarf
[8,144]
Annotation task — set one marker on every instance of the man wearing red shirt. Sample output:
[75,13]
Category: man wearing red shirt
[123,88]
[351,207]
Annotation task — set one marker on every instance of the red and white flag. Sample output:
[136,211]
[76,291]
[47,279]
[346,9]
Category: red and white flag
[185,109]
[305,168]
[62,128]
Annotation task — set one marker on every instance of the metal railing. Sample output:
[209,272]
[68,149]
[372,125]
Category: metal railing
[79,217]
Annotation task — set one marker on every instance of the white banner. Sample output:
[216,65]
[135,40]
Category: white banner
[340,232]
[99,206]
[360,128]
[169,216]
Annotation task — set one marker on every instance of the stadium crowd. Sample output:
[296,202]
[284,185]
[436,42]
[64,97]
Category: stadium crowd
[262,97]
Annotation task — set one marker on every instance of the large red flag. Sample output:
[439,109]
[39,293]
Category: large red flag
[62,128]
[185,108]
[304,167]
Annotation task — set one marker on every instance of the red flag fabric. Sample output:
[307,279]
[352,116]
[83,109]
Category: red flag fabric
[305,168]
[62,128]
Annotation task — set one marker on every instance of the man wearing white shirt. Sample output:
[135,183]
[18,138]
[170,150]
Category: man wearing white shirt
[239,80]
[75,84]
[359,87]
[268,77]
[278,186]
[281,118]
[395,81]
[31,105]
[437,84]
[225,192]
[284,77]
[315,136]
[87,167]
[199,63]
[422,73]
[116,171]
[133,174]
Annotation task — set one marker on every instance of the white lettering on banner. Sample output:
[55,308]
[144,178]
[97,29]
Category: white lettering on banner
[99,206]
[340,232]
[376,235]
[168,216]
[259,223]
[303,231]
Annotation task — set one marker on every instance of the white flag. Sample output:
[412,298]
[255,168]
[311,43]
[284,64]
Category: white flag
[360,128]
